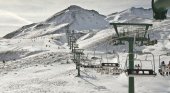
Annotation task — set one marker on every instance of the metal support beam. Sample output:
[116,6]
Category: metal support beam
[147,27]
[133,24]
[75,58]
[78,53]
[131,42]
[131,66]
[78,65]
[74,55]
[72,46]
[115,27]
[68,36]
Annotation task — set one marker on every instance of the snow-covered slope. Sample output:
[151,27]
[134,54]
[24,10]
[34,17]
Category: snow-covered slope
[131,14]
[79,18]
[72,18]
[38,59]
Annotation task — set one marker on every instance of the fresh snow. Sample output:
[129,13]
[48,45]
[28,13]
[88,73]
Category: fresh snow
[38,59]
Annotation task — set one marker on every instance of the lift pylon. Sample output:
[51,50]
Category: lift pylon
[130,37]
[78,53]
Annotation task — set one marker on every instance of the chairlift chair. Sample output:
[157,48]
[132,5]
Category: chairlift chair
[86,64]
[75,46]
[141,72]
[150,42]
[113,68]
[166,69]
[79,51]
[118,42]
[116,65]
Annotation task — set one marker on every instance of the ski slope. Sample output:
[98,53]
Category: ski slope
[38,60]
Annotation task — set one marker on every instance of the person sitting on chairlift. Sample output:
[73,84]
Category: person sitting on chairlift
[169,67]
[137,67]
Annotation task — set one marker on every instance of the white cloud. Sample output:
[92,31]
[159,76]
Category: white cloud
[12,16]
[10,22]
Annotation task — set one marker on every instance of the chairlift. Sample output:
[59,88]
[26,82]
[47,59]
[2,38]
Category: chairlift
[113,68]
[147,42]
[163,68]
[118,42]
[94,56]
[75,45]
[141,71]
[112,64]
[150,42]
[88,64]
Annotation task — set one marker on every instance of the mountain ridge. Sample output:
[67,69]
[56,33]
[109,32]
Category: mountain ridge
[76,17]
[80,19]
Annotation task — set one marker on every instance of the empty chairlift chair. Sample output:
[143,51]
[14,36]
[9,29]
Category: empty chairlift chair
[88,63]
[114,68]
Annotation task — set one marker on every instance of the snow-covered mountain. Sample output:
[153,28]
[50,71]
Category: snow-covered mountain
[132,14]
[72,18]
[95,27]
[37,58]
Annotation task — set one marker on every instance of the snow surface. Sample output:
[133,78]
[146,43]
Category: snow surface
[38,59]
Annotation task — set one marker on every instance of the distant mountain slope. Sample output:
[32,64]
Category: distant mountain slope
[93,27]
[79,18]
[74,17]
[131,14]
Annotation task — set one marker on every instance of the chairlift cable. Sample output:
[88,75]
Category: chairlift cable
[106,53]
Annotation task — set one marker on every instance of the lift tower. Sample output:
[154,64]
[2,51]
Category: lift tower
[78,53]
[131,35]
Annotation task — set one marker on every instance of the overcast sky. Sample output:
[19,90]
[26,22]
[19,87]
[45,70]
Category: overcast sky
[15,13]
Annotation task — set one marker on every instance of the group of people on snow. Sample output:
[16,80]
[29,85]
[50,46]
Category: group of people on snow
[164,69]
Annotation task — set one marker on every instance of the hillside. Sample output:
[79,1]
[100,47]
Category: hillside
[38,59]
[72,18]
[131,14]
